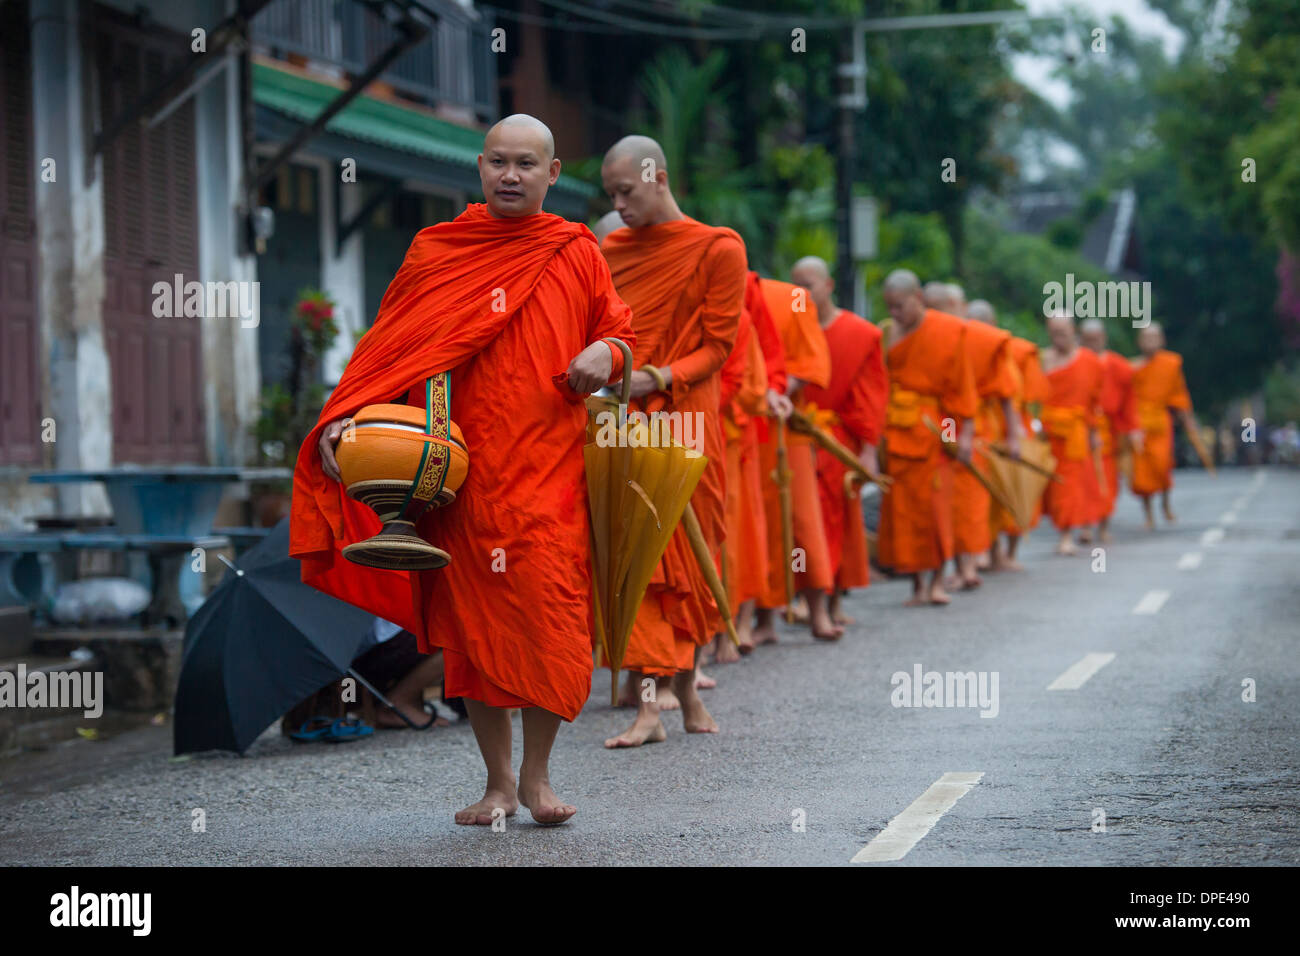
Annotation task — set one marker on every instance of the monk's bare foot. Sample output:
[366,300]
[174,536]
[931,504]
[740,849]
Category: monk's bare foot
[1010,564]
[824,629]
[646,729]
[1066,546]
[541,801]
[971,583]
[952,582]
[798,611]
[765,631]
[1105,537]
[666,696]
[938,595]
[1085,536]
[695,716]
[1169,517]
[915,600]
[983,562]
[630,695]
[1149,524]
[745,631]
[703,681]
[842,619]
[494,798]
[725,652]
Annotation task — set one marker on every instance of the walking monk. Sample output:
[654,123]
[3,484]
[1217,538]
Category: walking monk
[852,408]
[930,380]
[1069,417]
[1118,419]
[685,283]
[989,349]
[1031,389]
[1158,387]
[807,362]
[513,303]
[753,384]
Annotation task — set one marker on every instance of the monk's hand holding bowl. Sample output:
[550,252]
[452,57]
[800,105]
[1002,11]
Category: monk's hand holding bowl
[329,437]
[643,383]
[964,444]
[1013,441]
[591,368]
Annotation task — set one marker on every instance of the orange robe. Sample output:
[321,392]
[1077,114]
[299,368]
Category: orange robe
[1158,386]
[1070,411]
[995,380]
[744,389]
[852,407]
[930,379]
[522,636]
[685,283]
[1118,418]
[1031,388]
[807,358]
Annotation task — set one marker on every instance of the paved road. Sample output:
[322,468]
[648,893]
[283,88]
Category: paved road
[1158,739]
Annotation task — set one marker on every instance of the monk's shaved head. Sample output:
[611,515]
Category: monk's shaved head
[901,280]
[635,176]
[638,149]
[607,224]
[982,311]
[1151,339]
[531,124]
[935,294]
[1060,320]
[1092,333]
[814,264]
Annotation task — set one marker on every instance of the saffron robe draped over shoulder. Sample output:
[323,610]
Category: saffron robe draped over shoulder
[685,284]
[989,349]
[1118,418]
[852,406]
[1071,410]
[930,379]
[504,305]
[1158,386]
[807,358]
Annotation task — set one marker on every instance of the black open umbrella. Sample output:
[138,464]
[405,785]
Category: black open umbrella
[259,644]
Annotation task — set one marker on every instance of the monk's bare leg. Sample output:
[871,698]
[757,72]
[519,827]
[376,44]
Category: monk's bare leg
[799,611]
[540,727]
[725,652]
[492,731]
[1085,534]
[969,578]
[765,627]
[1066,545]
[837,615]
[631,691]
[917,598]
[664,691]
[819,617]
[1103,530]
[1164,504]
[407,695]
[647,728]
[702,680]
[695,716]
[1150,523]
[953,581]
[745,626]
[937,595]
[984,562]
[1009,563]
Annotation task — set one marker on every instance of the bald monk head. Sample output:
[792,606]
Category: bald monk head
[635,177]
[945,297]
[813,274]
[902,294]
[1092,335]
[1151,339]
[607,224]
[517,166]
[956,299]
[1060,330]
[982,311]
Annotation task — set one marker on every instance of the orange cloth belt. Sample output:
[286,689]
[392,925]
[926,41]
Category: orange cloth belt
[1068,423]
[1152,418]
[904,408]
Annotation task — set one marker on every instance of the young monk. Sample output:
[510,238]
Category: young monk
[1069,418]
[1118,420]
[505,293]
[807,361]
[685,283]
[930,380]
[852,408]
[1158,387]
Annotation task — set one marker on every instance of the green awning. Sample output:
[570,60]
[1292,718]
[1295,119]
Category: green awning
[370,120]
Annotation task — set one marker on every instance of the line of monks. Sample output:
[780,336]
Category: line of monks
[939,387]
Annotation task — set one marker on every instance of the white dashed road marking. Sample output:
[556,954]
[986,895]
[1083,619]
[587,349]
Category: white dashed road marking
[1190,561]
[1074,678]
[1211,536]
[906,830]
[1151,602]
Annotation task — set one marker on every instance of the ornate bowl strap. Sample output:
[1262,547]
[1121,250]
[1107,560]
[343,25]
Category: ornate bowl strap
[434,461]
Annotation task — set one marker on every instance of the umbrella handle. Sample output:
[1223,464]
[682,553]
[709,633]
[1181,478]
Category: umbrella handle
[627,367]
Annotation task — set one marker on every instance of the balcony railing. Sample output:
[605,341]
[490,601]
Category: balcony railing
[453,65]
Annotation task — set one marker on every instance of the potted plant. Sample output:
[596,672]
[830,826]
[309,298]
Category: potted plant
[290,411]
